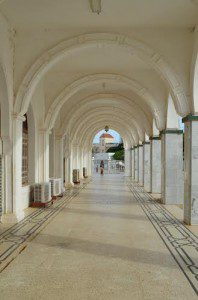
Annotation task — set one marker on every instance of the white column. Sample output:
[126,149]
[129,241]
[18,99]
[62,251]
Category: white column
[90,163]
[59,157]
[127,160]
[140,165]
[172,166]
[156,165]
[43,155]
[136,162]
[132,164]
[52,158]
[17,166]
[75,156]
[80,154]
[6,153]
[68,172]
[147,166]
[191,170]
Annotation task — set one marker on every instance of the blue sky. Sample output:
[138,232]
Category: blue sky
[111,131]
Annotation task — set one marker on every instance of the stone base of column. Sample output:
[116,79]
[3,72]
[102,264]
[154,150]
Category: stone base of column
[69,185]
[12,218]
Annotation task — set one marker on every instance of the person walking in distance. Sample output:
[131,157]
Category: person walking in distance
[102,167]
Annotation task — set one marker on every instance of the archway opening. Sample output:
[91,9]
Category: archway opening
[107,153]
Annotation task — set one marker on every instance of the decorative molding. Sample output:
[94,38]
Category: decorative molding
[146,143]
[87,81]
[190,118]
[128,104]
[171,131]
[154,138]
[141,50]
[19,117]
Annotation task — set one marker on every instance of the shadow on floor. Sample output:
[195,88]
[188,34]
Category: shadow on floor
[105,214]
[107,250]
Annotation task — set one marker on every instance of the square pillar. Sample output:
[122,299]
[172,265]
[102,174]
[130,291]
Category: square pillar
[133,163]
[172,181]
[191,170]
[59,157]
[127,160]
[140,165]
[155,165]
[43,155]
[52,158]
[147,165]
[17,166]
[136,163]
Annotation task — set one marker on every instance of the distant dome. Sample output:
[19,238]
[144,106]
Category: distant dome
[106,136]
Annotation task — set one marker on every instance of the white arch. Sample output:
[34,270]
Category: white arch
[145,53]
[89,123]
[99,126]
[116,100]
[87,143]
[124,118]
[87,81]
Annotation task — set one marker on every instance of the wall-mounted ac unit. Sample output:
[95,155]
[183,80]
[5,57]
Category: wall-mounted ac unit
[85,172]
[76,176]
[42,192]
[56,186]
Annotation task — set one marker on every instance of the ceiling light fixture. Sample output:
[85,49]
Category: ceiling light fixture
[95,6]
[106,128]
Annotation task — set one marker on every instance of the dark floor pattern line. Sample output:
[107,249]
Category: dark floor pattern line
[180,241]
[14,238]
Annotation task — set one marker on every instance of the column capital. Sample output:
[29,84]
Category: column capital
[43,130]
[190,118]
[58,137]
[18,117]
[171,131]
[151,138]
[146,143]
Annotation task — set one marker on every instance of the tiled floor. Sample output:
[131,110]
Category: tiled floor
[108,242]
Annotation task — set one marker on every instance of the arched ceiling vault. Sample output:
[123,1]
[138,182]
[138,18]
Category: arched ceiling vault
[83,130]
[97,113]
[106,100]
[88,142]
[129,116]
[149,56]
[88,81]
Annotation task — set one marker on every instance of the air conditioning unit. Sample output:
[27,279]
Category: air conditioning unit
[56,186]
[76,176]
[85,172]
[42,192]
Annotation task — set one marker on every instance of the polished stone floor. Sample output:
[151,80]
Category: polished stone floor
[102,245]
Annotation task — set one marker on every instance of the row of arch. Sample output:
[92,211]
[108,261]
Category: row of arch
[83,117]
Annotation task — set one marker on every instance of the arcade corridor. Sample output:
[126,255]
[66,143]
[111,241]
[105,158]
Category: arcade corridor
[104,244]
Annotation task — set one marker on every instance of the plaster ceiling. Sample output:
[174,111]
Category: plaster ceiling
[110,60]
[46,14]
